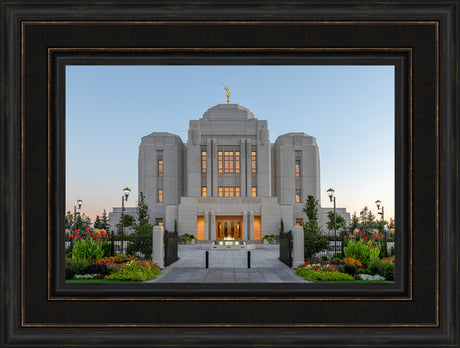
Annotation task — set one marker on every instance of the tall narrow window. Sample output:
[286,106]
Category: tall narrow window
[253,162]
[237,191]
[203,162]
[254,191]
[219,162]
[160,196]
[204,191]
[220,191]
[297,195]
[229,191]
[297,167]
[237,162]
[160,167]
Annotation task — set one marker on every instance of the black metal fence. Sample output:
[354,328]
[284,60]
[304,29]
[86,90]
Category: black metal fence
[286,248]
[171,241]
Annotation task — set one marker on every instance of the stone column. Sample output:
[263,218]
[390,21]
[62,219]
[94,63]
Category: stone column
[206,225]
[245,225]
[251,225]
[298,246]
[212,232]
[157,247]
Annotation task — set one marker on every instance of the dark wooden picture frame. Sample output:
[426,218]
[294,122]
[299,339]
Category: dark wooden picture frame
[39,39]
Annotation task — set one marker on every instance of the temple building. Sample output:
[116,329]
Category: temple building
[228,180]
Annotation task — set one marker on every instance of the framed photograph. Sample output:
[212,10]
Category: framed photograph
[49,46]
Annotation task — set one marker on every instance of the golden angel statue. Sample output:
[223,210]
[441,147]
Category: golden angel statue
[227,89]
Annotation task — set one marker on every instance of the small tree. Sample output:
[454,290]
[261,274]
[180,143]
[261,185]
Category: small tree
[314,241]
[141,238]
[340,222]
[281,226]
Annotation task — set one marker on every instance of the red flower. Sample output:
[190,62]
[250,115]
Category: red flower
[78,231]
[107,236]
[102,232]
[71,235]
[87,229]
[92,235]
[99,240]
[365,238]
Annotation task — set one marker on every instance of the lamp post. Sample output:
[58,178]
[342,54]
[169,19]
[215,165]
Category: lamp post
[126,191]
[378,204]
[330,193]
[75,213]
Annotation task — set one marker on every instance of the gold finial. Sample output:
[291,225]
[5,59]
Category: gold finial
[228,93]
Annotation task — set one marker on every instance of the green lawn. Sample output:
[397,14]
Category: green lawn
[353,281]
[72,281]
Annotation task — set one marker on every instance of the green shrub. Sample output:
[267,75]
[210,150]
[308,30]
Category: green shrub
[366,252]
[382,268]
[78,265]
[309,274]
[135,271]
[88,249]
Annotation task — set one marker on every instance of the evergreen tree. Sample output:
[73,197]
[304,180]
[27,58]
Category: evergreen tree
[105,222]
[354,222]
[98,222]
[313,237]
[141,239]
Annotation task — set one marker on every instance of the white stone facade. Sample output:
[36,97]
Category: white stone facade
[228,179]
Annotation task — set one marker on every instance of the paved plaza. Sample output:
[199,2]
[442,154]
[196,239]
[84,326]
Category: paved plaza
[228,266]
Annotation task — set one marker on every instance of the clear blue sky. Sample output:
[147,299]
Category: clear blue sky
[348,109]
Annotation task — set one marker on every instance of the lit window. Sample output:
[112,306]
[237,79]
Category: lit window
[229,191]
[297,167]
[203,161]
[254,191]
[160,196]
[297,195]
[228,161]
[204,191]
[298,222]
[220,191]
[253,162]
[159,222]
[237,191]
[219,162]
[237,162]
[160,167]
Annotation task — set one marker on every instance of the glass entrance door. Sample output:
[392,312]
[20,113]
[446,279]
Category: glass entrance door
[229,227]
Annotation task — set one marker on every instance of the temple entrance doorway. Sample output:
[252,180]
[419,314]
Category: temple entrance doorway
[229,227]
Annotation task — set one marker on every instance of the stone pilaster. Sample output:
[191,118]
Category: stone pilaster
[206,225]
[248,169]
[209,169]
[212,233]
[243,168]
[214,168]
[251,225]
[245,225]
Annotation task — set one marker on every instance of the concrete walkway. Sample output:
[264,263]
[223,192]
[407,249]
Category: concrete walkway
[228,266]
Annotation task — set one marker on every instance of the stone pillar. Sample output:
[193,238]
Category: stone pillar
[212,232]
[298,246]
[245,225]
[251,225]
[206,225]
[157,247]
